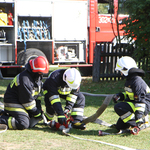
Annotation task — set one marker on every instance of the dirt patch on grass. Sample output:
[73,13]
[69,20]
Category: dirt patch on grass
[10,146]
[47,144]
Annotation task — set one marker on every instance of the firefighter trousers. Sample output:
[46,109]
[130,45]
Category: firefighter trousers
[77,109]
[121,109]
[15,120]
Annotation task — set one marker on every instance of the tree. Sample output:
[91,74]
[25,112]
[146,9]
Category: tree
[137,27]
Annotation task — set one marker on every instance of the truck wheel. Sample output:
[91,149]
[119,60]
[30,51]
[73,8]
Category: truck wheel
[30,53]
[19,57]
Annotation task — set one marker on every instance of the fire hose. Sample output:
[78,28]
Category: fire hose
[101,142]
[133,130]
[65,130]
[101,109]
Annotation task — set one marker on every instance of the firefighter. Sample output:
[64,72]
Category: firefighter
[134,104]
[20,98]
[65,84]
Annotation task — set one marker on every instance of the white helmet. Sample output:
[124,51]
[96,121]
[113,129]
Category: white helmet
[72,77]
[124,64]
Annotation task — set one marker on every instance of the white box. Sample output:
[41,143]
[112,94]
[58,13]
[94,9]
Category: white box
[6,52]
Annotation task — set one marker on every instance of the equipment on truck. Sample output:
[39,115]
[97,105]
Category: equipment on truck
[66,37]
[2,36]
[10,18]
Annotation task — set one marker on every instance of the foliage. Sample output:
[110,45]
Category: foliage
[137,27]
[121,7]
[103,8]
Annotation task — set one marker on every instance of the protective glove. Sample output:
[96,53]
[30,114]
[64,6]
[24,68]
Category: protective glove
[35,119]
[39,109]
[139,117]
[36,111]
[39,115]
[38,104]
[62,119]
[116,98]
[66,112]
[138,124]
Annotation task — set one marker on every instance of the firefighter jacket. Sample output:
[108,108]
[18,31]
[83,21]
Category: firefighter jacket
[55,88]
[22,92]
[137,93]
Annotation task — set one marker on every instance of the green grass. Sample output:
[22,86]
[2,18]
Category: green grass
[43,138]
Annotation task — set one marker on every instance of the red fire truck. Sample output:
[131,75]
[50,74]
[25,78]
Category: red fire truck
[64,31]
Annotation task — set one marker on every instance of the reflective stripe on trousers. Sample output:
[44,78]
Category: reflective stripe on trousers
[135,107]
[77,112]
[11,123]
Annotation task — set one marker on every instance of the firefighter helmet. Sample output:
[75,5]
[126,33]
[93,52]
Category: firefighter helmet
[124,64]
[72,77]
[39,65]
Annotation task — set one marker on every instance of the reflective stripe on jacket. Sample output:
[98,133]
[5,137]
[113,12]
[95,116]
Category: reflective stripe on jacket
[23,90]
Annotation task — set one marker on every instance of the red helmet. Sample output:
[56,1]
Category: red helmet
[39,64]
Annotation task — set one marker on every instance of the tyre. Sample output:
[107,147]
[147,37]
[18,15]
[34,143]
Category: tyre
[30,53]
[19,57]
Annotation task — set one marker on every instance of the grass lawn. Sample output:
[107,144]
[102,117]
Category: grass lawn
[43,138]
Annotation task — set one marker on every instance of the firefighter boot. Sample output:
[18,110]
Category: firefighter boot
[3,127]
[79,125]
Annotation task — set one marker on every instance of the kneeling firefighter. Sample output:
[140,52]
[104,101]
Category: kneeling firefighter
[65,84]
[135,101]
[20,98]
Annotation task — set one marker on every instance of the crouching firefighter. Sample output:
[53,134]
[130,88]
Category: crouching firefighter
[135,101]
[20,98]
[65,84]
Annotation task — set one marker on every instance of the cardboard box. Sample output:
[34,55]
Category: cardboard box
[3,19]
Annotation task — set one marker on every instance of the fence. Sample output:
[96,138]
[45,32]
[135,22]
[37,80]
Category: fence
[105,58]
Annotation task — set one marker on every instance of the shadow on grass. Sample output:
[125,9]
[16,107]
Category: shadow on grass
[44,128]
[77,132]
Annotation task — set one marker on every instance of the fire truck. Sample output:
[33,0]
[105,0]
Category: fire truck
[66,32]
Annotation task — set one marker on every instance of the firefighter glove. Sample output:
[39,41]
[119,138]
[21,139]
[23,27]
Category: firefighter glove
[62,119]
[66,112]
[139,124]
[39,115]
[116,98]
[38,104]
